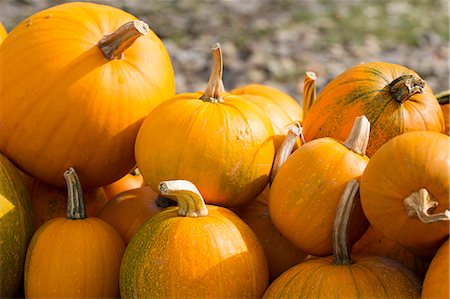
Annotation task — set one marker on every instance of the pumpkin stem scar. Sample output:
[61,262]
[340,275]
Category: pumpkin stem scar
[404,87]
[75,201]
[419,203]
[190,201]
[215,89]
[114,45]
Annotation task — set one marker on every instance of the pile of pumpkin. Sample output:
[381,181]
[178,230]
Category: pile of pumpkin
[236,194]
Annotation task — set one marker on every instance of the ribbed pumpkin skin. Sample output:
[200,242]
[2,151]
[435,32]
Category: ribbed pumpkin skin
[215,256]
[363,90]
[16,227]
[436,280]
[74,259]
[225,149]
[402,166]
[64,104]
[307,189]
[368,277]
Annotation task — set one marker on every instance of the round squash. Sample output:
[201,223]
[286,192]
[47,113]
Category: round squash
[340,276]
[394,99]
[77,81]
[16,227]
[306,190]
[405,189]
[75,256]
[193,251]
[130,181]
[435,284]
[222,143]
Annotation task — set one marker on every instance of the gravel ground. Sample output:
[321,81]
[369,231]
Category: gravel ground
[276,42]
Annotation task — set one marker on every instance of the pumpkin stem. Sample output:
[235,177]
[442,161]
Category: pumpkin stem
[164,202]
[349,199]
[419,203]
[404,87]
[358,138]
[215,88]
[443,97]
[190,201]
[75,201]
[294,131]
[114,45]
[309,92]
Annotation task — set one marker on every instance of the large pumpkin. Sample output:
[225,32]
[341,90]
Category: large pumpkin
[405,190]
[394,99]
[193,251]
[73,256]
[436,282]
[222,143]
[77,81]
[16,227]
[342,276]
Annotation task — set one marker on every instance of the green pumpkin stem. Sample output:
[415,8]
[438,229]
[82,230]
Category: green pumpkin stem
[341,248]
[190,201]
[309,92]
[114,45]
[443,97]
[405,86]
[215,89]
[358,139]
[75,201]
[419,203]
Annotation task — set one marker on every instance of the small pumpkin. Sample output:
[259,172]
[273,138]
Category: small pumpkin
[73,256]
[129,181]
[222,143]
[342,276]
[16,226]
[308,186]
[127,210]
[435,284]
[394,99]
[77,81]
[405,188]
[193,251]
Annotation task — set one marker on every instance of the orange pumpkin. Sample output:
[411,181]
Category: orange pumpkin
[405,188]
[307,188]
[75,256]
[436,282]
[340,276]
[193,251]
[3,32]
[221,142]
[127,210]
[77,81]
[130,181]
[394,99]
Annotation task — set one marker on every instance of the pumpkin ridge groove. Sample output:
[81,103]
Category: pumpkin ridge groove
[363,265]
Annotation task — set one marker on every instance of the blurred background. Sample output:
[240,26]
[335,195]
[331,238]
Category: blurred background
[276,42]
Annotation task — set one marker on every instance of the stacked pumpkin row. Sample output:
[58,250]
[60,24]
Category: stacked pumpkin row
[97,97]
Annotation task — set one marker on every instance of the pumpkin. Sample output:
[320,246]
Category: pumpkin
[131,180]
[394,99]
[222,143]
[342,276]
[193,251]
[306,190]
[77,81]
[444,100]
[405,188]
[309,91]
[375,243]
[435,284]
[127,210]
[3,32]
[16,226]
[73,256]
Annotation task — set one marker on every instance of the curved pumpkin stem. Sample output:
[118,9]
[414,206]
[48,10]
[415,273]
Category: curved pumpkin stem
[114,44]
[418,204]
[190,201]
[341,251]
[309,92]
[358,138]
[294,131]
[215,88]
[75,201]
[405,87]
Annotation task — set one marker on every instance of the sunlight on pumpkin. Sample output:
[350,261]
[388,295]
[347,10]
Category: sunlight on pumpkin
[6,206]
